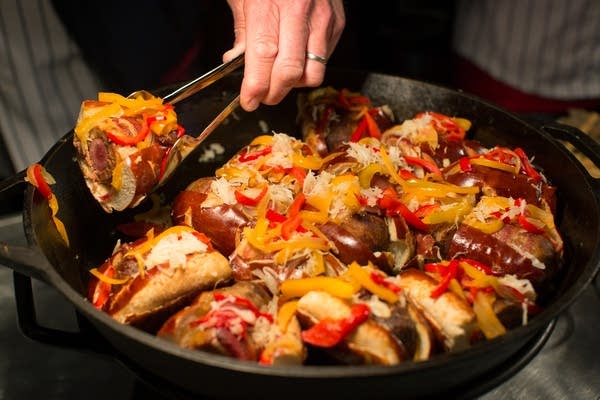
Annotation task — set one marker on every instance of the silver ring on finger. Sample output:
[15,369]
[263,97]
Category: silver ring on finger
[315,57]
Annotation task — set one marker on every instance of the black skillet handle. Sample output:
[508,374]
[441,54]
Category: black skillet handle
[86,339]
[577,138]
[29,263]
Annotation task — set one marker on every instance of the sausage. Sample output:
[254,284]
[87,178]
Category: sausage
[451,318]
[369,343]
[327,122]
[220,223]
[231,321]
[176,267]
[495,182]
[121,144]
[511,250]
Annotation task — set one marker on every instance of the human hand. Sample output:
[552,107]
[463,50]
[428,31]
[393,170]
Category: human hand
[276,35]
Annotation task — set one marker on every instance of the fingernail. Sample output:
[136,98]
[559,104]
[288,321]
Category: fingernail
[251,104]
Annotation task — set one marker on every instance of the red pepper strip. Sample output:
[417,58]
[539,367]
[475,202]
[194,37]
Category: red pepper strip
[359,131]
[274,216]
[380,280]
[529,170]
[40,183]
[290,225]
[434,267]
[425,210]
[102,289]
[373,127]
[500,154]
[362,200]
[163,164]
[445,124]
[329,332]
[180,131]
[394,206]
[296,205]
[298,173]
[428,165]
[245,156]
[465,164]
[406,174]
[126,140]
[243,302]
[204,239]
[250,201]
[529,226]
[443,285]
[322,123]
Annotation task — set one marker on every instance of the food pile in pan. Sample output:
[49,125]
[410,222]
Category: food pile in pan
[369,241]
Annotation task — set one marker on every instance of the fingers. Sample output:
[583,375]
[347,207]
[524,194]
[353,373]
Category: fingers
[276,34]
[289,64]
[318,43]
[327,23]
[239,30]
[262,46]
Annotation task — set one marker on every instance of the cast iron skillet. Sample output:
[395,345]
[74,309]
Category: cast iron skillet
[93,236]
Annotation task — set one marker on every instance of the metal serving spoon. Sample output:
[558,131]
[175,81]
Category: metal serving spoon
[186,144]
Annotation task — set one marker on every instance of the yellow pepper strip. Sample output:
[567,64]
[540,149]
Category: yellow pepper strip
[138,102]
[285,314]
[435,189]
[318,217]
[262,140]
[321,202]
[292,288]
[487,320]
[463,123]
[513,169]
[448,214]
[60,227]
[317,232]
[363,276]
[140,261]
[366,174]
[117,176]
[307,162]
[319,263]
[87,123]
[282,256]
[370,141]
[490,226]
[166,125]
[391,170]
[330,157]
[106,279]
[297,244]
[456,288]
[479,278]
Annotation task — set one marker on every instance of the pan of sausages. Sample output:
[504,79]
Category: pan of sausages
[376,236]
